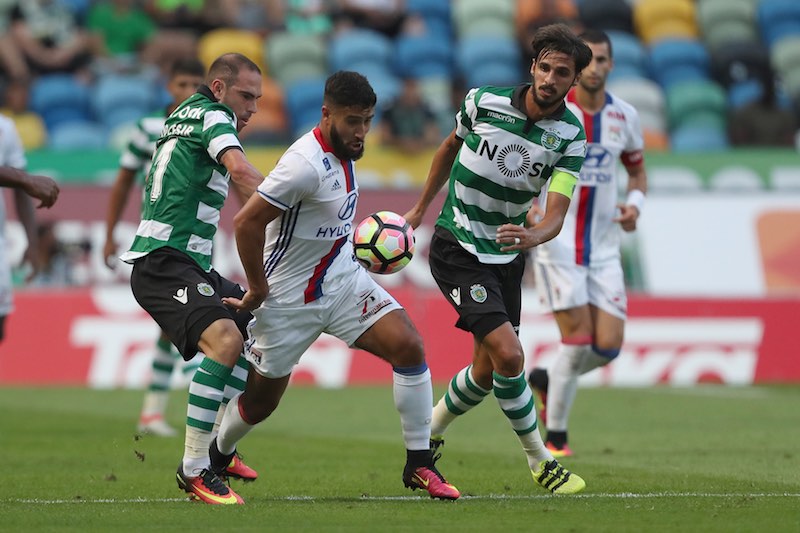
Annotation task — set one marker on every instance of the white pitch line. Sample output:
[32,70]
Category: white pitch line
[619,496]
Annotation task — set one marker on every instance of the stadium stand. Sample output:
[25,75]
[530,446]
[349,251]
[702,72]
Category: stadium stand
[220,41]
[479,17]
[607,15]
[60,98]
[659,19]
[777,19]
[678,60]
[293,57]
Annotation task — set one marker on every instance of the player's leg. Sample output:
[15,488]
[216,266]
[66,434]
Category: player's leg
[151,419]
[563,289]
[394,339]
[181,298]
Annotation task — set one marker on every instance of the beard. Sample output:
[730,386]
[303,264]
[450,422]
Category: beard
[340,148]
[548,102]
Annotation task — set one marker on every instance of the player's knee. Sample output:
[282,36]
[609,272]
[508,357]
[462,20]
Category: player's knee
[226,343]
[255,409]
[508,360]
[408,351]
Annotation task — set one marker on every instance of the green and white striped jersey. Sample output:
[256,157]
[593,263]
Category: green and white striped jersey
[138,154]
[505,160]
[187,185]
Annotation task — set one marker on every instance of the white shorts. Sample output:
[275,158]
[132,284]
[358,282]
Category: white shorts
[279,335]
[563,287]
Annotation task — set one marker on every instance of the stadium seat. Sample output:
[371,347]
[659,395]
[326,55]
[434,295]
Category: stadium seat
[478,53]
[359,46]
[118,99]
[777,19]
[423,56]
[678,60]
[608,15]
[630,56]
[663,19]
[744,92]
[293,57]
[479,17]
[303,104]
[270,124]
[725,21]
[655,141]
[696,102]
[647,97]
[60,98]
[436,14]
[785,54]
[214,43]
[31,129]
[698,138]
[77,135]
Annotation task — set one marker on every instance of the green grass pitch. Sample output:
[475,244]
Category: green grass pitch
[702,459]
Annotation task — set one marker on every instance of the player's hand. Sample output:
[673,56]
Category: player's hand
[43,188]
[414,217]
[628,215]
[514,238]
[251,300]
[110,254]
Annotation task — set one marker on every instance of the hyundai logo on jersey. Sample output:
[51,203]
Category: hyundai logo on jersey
[349,206]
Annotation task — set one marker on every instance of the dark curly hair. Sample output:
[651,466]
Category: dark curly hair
[559,38]
[346,88]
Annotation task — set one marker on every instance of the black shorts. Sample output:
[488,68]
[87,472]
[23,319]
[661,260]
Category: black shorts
[182,298]
[485,296]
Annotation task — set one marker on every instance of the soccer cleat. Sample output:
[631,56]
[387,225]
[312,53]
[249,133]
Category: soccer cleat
[430,479]
[155,425]
[557,479]
[538,381]
[208,488]
[555,451]
[230,466]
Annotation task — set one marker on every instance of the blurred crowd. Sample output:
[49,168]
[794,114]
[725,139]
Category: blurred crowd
[426,51]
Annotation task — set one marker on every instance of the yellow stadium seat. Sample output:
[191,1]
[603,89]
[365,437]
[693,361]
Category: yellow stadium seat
[658,19]
[214,43]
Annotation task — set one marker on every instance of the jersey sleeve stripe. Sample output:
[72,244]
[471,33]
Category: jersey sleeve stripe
[272,200]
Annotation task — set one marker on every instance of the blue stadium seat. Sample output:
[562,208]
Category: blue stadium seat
[777,19]
[117,99]
[630,56]
[77,135]
[359,46]
[60,98]
[677,60]
[477,53]
[436,14]
[423,56]
[497,74]
[303,104]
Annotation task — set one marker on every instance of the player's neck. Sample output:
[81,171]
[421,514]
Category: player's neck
[590,101]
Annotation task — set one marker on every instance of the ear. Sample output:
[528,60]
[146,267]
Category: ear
[577,79]
[217,87]
[533,66]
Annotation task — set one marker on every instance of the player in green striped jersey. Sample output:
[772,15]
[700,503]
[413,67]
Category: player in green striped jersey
[196,160]
[185,77]
[508,142]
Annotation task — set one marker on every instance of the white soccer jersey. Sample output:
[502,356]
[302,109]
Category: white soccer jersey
[589,235]
[11,155]
[308,250]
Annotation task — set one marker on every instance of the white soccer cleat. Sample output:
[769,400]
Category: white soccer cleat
[156,425]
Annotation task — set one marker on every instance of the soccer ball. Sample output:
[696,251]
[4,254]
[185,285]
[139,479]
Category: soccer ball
[384,242]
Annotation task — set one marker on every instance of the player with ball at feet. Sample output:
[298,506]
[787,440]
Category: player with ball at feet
[307,282]
[507,143]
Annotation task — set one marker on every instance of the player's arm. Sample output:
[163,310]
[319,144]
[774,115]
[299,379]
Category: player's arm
[26,216]
[250,225]
[437,176]
[119,198]
[630,210]
[244,175]
[559,194]
[40,187]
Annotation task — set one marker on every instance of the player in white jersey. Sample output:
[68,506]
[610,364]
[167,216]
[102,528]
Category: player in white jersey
[579,273]
[185,78]
[307,282]
[26,186]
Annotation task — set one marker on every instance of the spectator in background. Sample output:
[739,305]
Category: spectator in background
[49,38]
[260,16]
[532,15]
[408,123]
[30,126]
[56,258]
[122,26]
[384,16]
[26,186]
[763,122]
[180,24]
[308,16]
